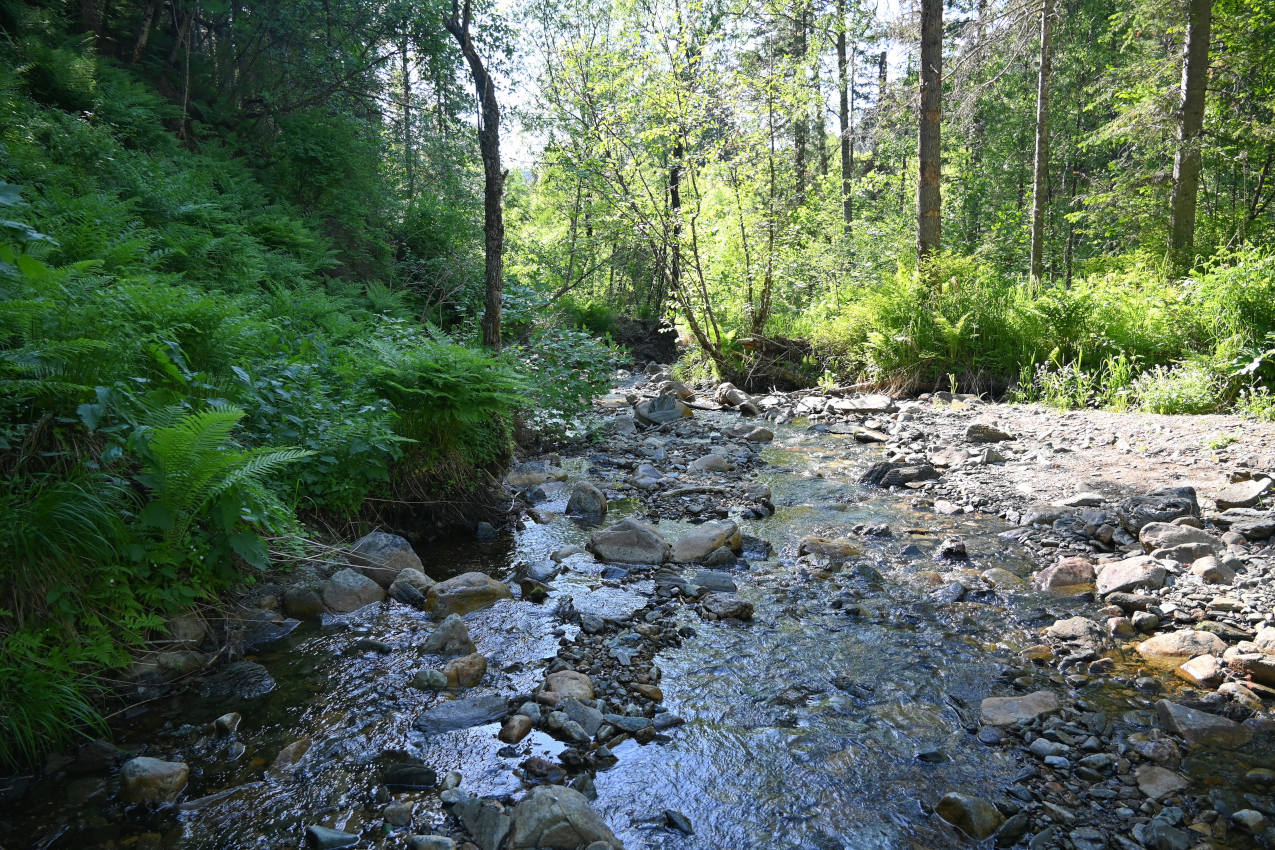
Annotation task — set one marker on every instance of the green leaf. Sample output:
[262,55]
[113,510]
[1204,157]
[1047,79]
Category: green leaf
[251,548]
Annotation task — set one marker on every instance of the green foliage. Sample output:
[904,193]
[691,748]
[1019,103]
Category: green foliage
[1184,388]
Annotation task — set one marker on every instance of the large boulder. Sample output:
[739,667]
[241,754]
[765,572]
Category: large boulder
[464,593]
[727,606]
[569,684]
[1006,711]
[381,556]
[701,541]
[1170,649]
[630,541]
[983,432]
[349,590]
[1069,575]
[1142,572]
[586,500]
[150,780]
[731,396]
[1201,729]
[661,410]
[554,816]
[1160,506]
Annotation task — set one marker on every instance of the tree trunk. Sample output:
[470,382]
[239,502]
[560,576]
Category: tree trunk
[800,114]
[843,112]
[929,229]
[91,17]
[1186,163]
[144,32]
[409,171]
[1040,175]
[493,176]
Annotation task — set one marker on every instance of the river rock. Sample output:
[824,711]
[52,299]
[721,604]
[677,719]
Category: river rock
[1243,494]
[839,549]
[304,601]
[1080,630]
[462,714]
[528,474]
[698,543]
[1164,535]
[515,728]
[715,580]
[1070,575]
[151,780]
[451,638]
[1137,573]
[381,556]
[569,684]
[727,606]
[676,388]
[760,435]
[982,432]
[466,671]
[646,477]
[1201,729]
[464,593]
[1006,711]
[323,838]
[630,541]
[661,410]
[729,395]
[554,816]
[416,578]
[1159,506]
[1157,782]
[185,632]
[1256,528]
[887,473]
[409,776]
[349,590]
[241,680]
[1203,671]
[1258,666]
[1170,649]
[586,500]
[710,463]
[974,816]
[1212,571]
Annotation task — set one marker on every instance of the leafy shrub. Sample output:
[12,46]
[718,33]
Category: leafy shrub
[1184,388]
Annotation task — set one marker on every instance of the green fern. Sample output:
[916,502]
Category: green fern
[193,463]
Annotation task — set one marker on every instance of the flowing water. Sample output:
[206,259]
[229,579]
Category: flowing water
[832,721]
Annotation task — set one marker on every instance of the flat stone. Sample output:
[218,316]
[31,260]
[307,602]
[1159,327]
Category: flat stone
[1006,711]
[1077,630]
[661,410]
[1137,573]
[409,776]
[1201,729]
[1157,782]
[323,838]
[1159,506]
[710,463]
[1212,571]
[1243,494]
[715,580]
[569,684]
[893,474]
[515,728]
[240,680]
[1068,576]
[462,714]
[702,540]
[630,541]
[466,671]
[464,593]
[1165,535]
[1259,666]
[151,780]
[727,606]
[982,432]
[1203,671]
[1170,649]
[838,549]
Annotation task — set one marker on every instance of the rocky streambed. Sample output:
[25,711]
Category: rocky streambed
[818,620]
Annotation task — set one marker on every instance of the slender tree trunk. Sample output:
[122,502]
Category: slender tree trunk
[1040,174]
[843,112]
[493,176]
[91,17]
[800,119]
[929,228]
[408,163]
[144,32]
[1186,162]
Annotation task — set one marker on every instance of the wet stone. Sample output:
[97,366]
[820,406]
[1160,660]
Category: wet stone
[323,838]
[462,714]
[241,680]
